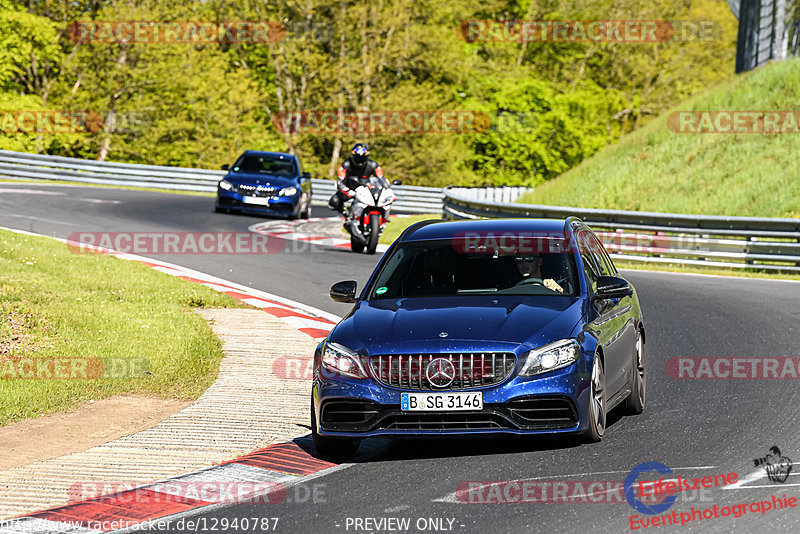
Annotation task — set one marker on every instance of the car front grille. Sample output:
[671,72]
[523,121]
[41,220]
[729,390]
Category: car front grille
[543,412]
[469,370]
[282,206]
[445,421]
[257,191]
[352,415]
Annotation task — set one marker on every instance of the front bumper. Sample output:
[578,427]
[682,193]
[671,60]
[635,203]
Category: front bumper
[555,403]
[279,206]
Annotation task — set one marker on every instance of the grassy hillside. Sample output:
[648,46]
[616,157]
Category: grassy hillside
[655,169]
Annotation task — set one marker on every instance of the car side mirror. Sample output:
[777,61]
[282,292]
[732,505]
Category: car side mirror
[397,182]
[306,175]
[226,167]
[612,287]
[344,291]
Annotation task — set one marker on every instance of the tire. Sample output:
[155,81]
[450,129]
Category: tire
[634,404]
[356,245]
[374,230]
[217,209]
[333,447]
[597,402]
[307,213]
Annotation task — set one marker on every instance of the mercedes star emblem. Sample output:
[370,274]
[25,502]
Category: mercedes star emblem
[440,372]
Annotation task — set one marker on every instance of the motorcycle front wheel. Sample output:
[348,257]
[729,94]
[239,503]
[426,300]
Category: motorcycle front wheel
[374,230]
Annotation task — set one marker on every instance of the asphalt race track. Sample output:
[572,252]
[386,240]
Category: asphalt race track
[695,427]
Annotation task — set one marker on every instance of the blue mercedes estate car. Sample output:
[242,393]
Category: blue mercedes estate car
[265,183]
[489,327]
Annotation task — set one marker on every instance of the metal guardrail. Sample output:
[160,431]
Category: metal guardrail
[763,243]
[490,194]
[17,165]
[410,198]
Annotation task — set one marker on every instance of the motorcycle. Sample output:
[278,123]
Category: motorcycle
[368,214]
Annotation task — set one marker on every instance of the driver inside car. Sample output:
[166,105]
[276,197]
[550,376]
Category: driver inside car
[530,267]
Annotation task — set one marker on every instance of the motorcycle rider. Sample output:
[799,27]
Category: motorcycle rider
[354,171]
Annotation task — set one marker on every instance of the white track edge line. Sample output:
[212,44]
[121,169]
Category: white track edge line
[210,278]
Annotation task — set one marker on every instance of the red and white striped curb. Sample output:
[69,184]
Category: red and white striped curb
[265,473]
[313,322]
[289,230]
[283,464]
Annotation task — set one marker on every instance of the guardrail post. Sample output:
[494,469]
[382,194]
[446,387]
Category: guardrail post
[747,250]
[798,241]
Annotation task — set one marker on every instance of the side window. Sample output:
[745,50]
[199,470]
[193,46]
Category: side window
[590,268]
[299,166]
[612,268]
[601,256]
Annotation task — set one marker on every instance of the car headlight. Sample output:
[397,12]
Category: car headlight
[287,192]
[342,361]
[551,357]
[226,185]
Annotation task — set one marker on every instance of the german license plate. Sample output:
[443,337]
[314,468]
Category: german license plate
[260,201]
[440,402]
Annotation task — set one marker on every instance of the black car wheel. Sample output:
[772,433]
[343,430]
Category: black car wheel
[634,404]
[307,213]
[334,447]
[597,402]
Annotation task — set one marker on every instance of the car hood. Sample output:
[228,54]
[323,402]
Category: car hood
[259,179]
[457,323]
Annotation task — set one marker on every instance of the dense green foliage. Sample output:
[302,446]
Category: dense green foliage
[550,104]
[657,169]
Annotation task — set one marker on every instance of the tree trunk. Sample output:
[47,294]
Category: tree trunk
[111,118]
[108,129]
[337,143]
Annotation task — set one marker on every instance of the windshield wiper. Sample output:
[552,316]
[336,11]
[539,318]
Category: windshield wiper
[487,290]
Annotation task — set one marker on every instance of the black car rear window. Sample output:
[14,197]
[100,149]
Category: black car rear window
[438,268]
[272,165]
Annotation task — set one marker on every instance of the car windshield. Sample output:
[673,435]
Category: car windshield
[272,165]
[438,268]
